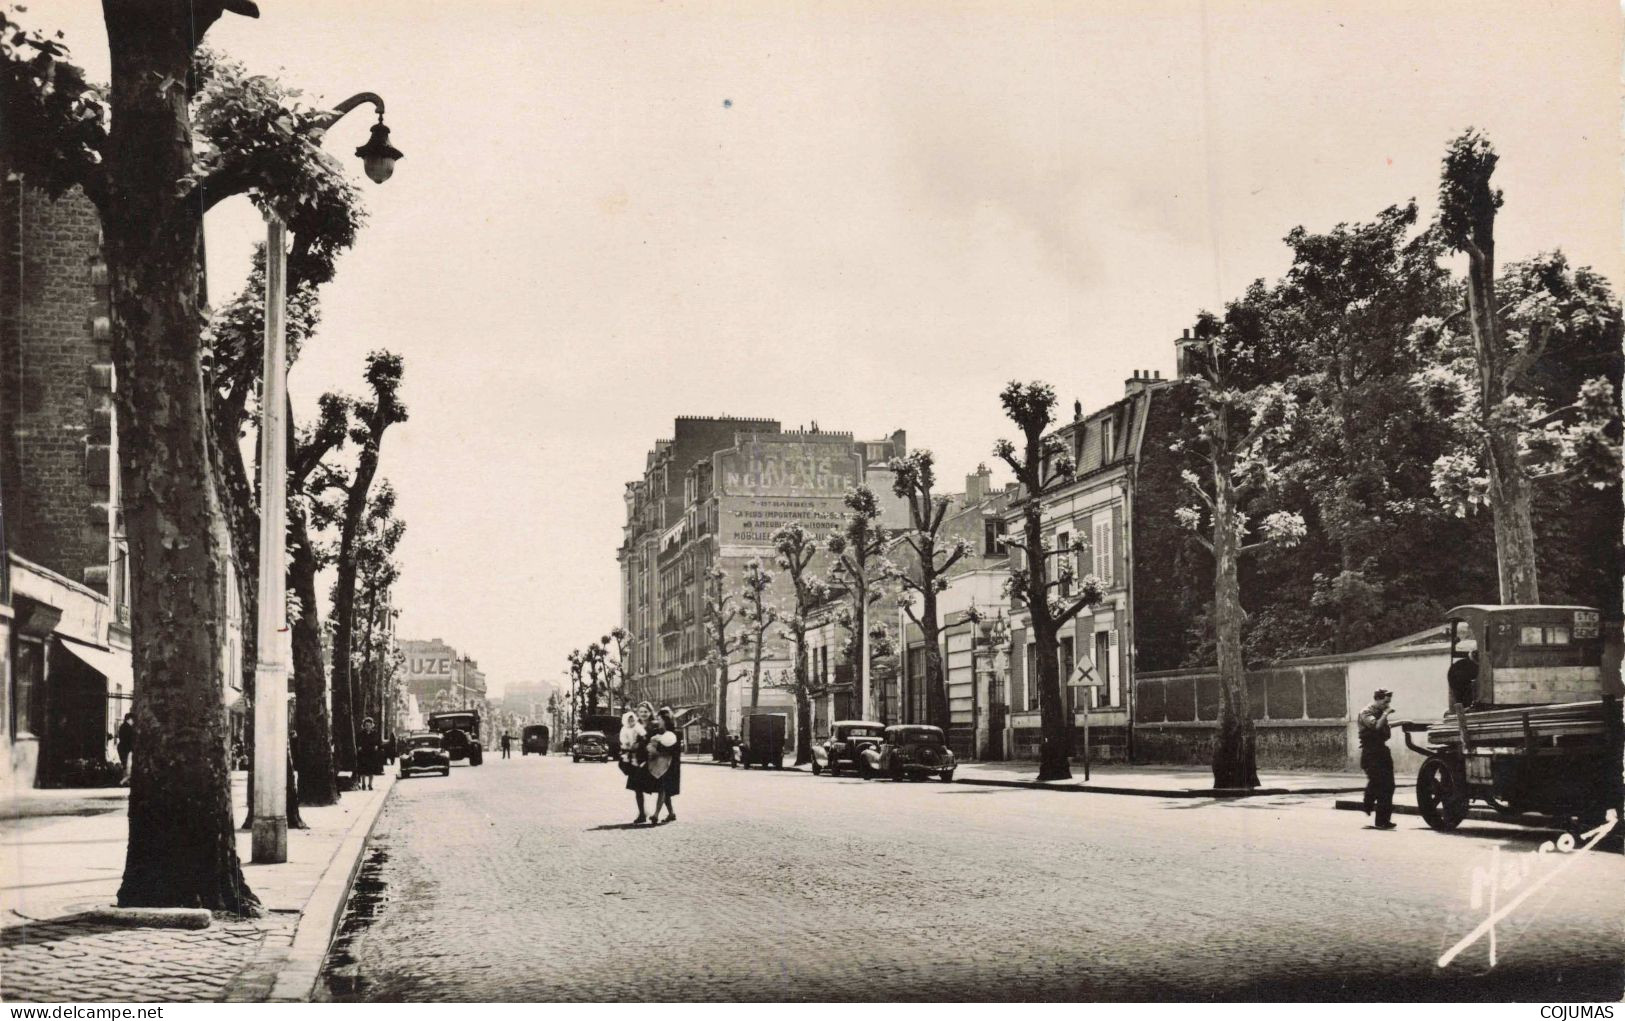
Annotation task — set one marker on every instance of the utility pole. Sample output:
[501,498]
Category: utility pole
[270,841]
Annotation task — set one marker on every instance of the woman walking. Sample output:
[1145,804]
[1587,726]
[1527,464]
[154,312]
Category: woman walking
[667,744]
[636,759]
[369,755]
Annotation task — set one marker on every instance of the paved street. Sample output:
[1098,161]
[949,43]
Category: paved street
[521,880]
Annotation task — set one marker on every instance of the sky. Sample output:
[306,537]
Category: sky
[871,215]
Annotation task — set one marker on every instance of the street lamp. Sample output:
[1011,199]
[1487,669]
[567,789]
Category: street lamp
[270,840]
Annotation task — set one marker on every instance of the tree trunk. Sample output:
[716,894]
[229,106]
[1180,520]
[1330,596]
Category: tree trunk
[313,738]
[756,670]
[1235,761]
[722,710]
[344,693]
[1509,483]
[182,849]
[1055,729]
[803,701]
[936,678]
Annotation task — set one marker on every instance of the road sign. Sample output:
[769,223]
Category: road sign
[1084,676]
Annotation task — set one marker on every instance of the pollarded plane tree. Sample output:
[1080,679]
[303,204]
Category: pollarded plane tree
[858,572]
[1042,465]
[797,549]
[757,616]
[1235,444]
[372,417]
[153,164]
[925,575]
[721,642]
[1489,375]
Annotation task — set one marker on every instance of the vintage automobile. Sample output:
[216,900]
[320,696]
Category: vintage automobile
[606,726]
[423,753]
[852,744]
[533,739]
[915,751]
[1542,733]
[459,734]
[590,744]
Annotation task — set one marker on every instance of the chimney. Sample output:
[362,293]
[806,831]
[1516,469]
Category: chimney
[1077,411]
[1187,349]
[978,487]
[1136,383]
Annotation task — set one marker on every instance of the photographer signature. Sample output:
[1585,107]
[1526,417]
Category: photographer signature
[1498,878]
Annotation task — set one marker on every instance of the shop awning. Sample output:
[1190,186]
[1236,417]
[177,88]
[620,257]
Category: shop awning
[112,664]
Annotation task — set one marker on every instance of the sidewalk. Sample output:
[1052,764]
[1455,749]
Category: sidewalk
[62,864]
[1145,781]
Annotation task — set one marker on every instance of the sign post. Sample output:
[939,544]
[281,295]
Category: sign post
[1084,677]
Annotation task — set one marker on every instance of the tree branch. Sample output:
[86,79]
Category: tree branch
[1521,362]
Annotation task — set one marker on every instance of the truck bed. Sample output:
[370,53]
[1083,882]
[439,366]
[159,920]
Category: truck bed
[1562,723]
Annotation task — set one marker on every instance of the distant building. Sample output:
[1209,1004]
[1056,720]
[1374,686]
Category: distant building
[712,496]
[432,669]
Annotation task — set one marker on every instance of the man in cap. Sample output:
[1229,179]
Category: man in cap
[1375,758]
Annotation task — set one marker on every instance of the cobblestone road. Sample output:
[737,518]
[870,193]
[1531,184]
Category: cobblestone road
[75,960]
[521,880]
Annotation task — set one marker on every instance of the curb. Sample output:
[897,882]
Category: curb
[294,976]
[151,918]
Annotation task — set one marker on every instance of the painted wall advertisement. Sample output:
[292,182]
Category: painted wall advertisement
[770,482]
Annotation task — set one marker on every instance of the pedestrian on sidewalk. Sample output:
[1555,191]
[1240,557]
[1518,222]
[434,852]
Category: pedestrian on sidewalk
[1375,758]
[126,745]
[636,758]
[369,755]
[666,762]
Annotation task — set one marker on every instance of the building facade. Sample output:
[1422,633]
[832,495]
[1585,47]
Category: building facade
[711,498]
[1093,514]
[434,673]
[64,582]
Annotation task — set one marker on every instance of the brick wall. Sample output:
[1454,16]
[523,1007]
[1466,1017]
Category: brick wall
[55,399]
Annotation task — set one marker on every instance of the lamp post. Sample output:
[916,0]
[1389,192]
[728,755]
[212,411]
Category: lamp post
[274,655]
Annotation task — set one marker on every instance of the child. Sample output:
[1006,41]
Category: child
[630,733]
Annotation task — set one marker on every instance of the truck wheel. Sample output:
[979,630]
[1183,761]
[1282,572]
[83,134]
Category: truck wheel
[1441,795]
[475,756]
[575,758]
[778,763]
[816,768]
[897,774]
[947,776]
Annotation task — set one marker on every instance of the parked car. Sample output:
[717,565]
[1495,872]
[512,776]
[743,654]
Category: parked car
[459,734]
[533,739]
[764,740]
[852,744]
[424,753]
[914,751]
[590,744]
[606,726]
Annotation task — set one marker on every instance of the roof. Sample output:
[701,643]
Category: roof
[1478,611]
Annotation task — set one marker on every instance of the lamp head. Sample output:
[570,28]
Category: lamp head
[378,156]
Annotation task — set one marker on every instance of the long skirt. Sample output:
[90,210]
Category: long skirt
[639,780]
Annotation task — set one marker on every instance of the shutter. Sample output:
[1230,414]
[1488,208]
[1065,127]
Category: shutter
[1115,688]
[1119,565]
[1086,557]
[1018,669]
[1103,551]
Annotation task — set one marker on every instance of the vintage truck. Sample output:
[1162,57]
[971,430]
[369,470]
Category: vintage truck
[1539,728]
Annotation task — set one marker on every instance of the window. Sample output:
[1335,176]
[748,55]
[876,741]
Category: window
[27,685]
[1543,635]
[992,546]
[1103,550]
[1106,441]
